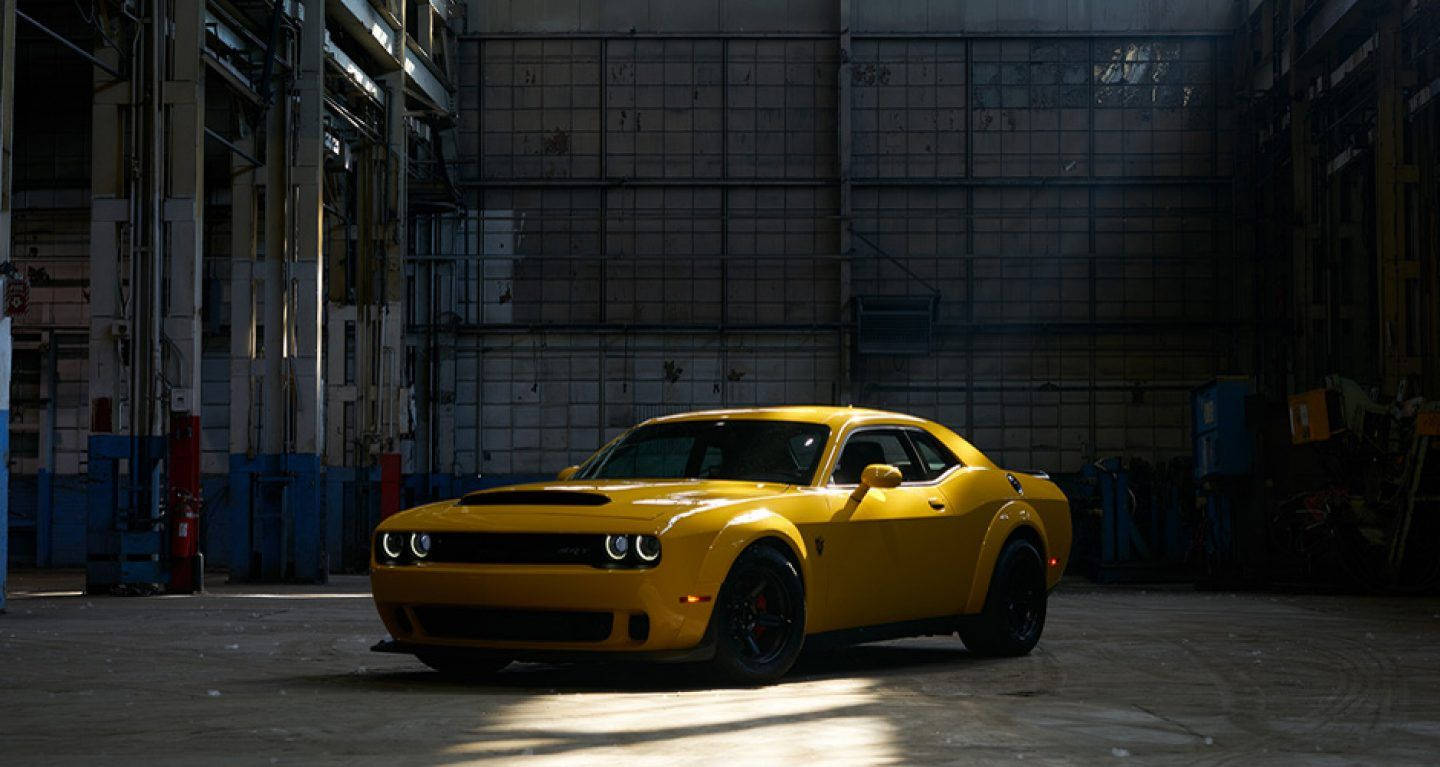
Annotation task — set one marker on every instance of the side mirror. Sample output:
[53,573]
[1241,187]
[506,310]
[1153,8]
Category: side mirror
[567,472]
[881,475]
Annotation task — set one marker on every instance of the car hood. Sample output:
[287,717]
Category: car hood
[612,499]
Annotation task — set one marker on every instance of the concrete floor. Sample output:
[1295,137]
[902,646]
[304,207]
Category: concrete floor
[283,675]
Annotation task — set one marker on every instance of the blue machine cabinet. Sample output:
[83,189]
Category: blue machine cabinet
[1223,443]
[1141,528]
[1224,463]
[125,530]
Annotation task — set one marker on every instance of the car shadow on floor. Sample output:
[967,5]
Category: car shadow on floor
[873,661]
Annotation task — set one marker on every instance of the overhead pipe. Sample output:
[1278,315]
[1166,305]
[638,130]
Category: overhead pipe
[228,144]
[77,50]
[270,51]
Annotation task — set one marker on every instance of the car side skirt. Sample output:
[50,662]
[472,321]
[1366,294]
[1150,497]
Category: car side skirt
[943,626]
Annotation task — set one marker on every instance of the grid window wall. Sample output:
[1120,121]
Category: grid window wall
[908,109]
[540,104]
[709,259]
[1155,107]
[783,266]
[663,108]
[920,233]
[780,104]
[1030,107]
[1032,246]
[1159,253]
[547,401]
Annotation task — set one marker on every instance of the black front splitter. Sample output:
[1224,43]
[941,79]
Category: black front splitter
[703,652]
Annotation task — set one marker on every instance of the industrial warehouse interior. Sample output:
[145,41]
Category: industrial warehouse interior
[277,271]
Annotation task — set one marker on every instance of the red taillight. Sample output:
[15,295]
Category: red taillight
[1054,562]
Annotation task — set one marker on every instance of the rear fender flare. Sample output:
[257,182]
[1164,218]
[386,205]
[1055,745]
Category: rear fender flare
[1011,517]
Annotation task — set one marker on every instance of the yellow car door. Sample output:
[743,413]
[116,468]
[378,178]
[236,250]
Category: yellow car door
[972,496]
[889,555]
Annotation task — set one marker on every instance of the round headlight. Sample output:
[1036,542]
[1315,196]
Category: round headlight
[647,547]
[616,547]
[390,545]
[420,545]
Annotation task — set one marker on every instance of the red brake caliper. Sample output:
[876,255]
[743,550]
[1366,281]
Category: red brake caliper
[759,608]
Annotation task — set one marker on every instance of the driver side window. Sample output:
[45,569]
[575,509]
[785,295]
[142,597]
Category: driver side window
[875,446]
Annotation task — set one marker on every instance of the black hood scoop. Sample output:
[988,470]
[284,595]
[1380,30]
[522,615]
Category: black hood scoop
[534,498]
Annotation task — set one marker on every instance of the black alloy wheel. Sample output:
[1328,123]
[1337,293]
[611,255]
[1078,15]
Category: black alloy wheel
[759,618]
[1014,613]
[1025,597]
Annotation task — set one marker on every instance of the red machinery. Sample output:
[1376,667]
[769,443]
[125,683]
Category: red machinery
[187,572]
[389,484]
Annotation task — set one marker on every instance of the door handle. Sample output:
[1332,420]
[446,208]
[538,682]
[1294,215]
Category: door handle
[937,504]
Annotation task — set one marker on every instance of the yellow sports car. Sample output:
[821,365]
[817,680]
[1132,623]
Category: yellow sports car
[732,537]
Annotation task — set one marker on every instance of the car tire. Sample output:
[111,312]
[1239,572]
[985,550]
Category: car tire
[459,666]
[758,623]
[1014,613]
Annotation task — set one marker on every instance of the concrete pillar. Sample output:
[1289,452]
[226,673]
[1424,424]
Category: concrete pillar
[1304,231]
[183,220]
[1395,270]
[272,415]
[306,300]
[244,370]
[392,399]
[307,273]
[277,438]
[257,494]
[7,134]
[339,415]
[109,216]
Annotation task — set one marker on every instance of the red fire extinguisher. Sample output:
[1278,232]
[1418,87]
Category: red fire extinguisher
[187,570]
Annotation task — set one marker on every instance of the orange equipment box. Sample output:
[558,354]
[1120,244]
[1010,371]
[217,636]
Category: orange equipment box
[1427,422]
[1314,416]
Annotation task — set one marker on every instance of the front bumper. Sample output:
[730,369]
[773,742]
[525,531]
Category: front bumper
[406,595]
[701,652]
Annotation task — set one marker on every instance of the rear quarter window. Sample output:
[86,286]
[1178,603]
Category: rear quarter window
[936,458]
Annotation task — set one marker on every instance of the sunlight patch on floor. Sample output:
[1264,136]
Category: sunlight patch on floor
[833,721]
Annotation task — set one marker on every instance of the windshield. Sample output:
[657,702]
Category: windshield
[757,451]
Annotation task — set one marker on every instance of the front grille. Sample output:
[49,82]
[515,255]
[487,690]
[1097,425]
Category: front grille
[516,548]
[640,627]
[514,625]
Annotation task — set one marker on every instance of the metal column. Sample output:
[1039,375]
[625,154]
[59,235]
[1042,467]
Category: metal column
[124,527]
[7,132]
[844,154]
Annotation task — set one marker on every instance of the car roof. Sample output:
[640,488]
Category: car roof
[837,418]
[829,415]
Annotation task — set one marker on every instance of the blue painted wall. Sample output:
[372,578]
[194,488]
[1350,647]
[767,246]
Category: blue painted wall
[60,502]
[5,516]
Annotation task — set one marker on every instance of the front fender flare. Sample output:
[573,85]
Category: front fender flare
[738,534]
[1011,517]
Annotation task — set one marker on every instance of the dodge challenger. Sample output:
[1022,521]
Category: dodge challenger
[731,538]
